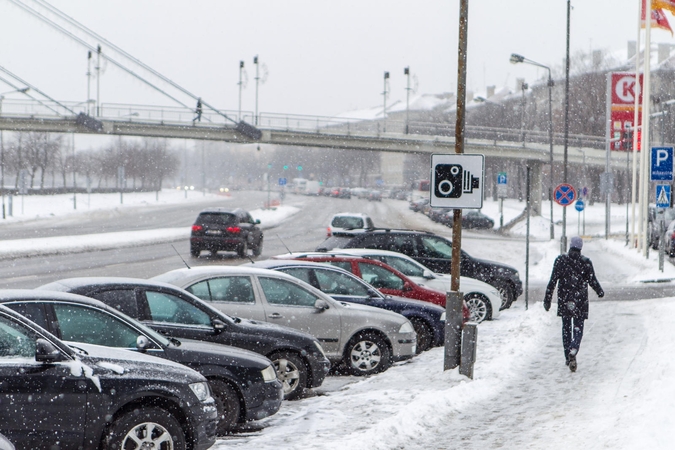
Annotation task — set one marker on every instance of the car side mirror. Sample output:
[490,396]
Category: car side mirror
[142,343]
[257,221]
[46,352]
[321,304]
[407,287]
[428,274]
[218,325]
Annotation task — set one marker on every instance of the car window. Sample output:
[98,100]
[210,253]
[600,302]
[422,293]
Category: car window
[403,244]
[433,247]
[334,242]
[200,290]
[15,341]
[231,289]
[34,312]
[283,292]
[299,273]
[335,283]
[217,219]
[347,222]
[171,309]
[379,277]
[369,223]
[377,241]
[121,299]
[83,324]
[344,265]
[404,266]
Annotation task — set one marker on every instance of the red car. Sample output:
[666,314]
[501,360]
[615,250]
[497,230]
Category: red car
[381,276]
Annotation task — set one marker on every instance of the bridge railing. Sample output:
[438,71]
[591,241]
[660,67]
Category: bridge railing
[351,126]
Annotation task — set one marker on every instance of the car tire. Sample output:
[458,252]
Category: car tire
[367,354]
[227,404]
[257,250]
[195,251]
[132,426]
[242,251]
[506,293]
[425,335]
[480,307]
[292,373]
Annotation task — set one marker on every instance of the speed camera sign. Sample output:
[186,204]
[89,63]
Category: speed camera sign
[457,181]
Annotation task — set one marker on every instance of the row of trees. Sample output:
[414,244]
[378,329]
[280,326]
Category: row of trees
[42,156]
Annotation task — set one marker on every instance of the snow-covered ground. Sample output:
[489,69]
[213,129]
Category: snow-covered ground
[522,395]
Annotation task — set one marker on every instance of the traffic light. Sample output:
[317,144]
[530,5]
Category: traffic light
[285,166]
[299,168]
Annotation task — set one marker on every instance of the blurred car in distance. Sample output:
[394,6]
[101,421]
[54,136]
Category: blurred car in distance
[349,222]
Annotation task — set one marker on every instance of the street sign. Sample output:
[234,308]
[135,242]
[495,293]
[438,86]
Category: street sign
[606,183]
[501,178]
[663,196]
[579,205]
[457,181]
[282,181]
[584,192]
[662,164]
[564,194]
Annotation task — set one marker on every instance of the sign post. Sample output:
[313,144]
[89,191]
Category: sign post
[502,189]
[564,195]
[579,206]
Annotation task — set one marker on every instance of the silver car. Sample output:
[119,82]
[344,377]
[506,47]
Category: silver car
[365,339]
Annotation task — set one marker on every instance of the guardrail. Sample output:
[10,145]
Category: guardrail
[373,126]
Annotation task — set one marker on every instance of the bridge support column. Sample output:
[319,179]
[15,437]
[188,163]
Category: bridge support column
[391,168]
[536,179]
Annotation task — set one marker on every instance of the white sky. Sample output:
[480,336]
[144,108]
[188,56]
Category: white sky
[324,57]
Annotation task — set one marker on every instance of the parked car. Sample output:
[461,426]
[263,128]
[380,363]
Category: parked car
[658,218]
[349,222]
[364,339]
[434,252]
[87,396]
[221,229]
[482,299]
[386,279]
[419,204]
[670,240]
[471,219]
[299,359]
[244,384]
[440,215]
[427,319]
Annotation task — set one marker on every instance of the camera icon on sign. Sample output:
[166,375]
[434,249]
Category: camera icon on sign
[452,181]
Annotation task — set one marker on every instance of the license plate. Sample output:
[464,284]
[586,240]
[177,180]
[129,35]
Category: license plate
[214,232]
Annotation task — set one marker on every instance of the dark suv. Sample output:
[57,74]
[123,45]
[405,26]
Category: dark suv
[435,252]
[87,396]
[220,229]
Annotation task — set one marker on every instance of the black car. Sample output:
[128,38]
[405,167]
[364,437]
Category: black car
[244,384]
[220,229]
[297,356]
[86,396]
[434,252]
[427,319]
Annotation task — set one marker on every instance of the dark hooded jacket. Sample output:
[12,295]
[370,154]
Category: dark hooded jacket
[573,273]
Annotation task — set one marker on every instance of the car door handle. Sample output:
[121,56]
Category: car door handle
[275,316]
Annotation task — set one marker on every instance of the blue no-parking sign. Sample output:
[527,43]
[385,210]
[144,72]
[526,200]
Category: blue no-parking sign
[662,164]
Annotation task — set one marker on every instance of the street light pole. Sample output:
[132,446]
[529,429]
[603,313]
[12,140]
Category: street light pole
[384,95]
[98,82]
[515,59]
[257,82]
[241,69]
[406,72]
[563,238]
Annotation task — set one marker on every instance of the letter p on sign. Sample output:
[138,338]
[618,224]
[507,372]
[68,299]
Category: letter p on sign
[661,164]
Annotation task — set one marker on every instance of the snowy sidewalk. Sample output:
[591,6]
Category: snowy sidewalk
[523,395]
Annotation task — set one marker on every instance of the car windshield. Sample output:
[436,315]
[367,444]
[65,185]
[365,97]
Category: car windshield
[217,219]
[347,222]
[334,242]
[404,266]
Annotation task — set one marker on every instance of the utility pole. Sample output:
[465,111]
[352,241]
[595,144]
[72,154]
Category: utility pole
[563,238]
[257,82]
[241,70]
[89,83]
[74,176]
[98,82]
[384,95]
[406,72]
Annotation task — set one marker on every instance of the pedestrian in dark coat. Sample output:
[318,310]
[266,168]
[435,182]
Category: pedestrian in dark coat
[573,273]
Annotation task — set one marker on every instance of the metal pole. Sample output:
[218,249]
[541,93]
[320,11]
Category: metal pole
[608,149]
[257,79]
[406,71]
[384,109]
[88,83]
[203,172]
[74,176]
[98,82]
[563,239]
[527,237]
[550,140]
[628,193]
[2,172]
[241,69]
[636,118]
[453,301]
[644,191]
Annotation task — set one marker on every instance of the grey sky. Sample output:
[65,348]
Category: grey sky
[323,56]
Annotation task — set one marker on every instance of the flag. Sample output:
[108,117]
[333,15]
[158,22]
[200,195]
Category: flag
[659,19]
[664,4]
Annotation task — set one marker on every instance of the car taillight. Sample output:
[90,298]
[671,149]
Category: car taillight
[233,229]
[328,233]
[197,228]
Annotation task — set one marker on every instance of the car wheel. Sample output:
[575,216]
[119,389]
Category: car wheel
[145,427]
[195,251]
[242,251]
[227,405]
[257,250]
[425,336]
[506,293]
[367,354]
[479,307]
[292,373]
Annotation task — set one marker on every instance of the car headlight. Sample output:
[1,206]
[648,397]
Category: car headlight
[269,374]
[442,319]
[201,390]
[318,346]
[406,328]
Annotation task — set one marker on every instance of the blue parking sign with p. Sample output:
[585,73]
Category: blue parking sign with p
[661,164]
